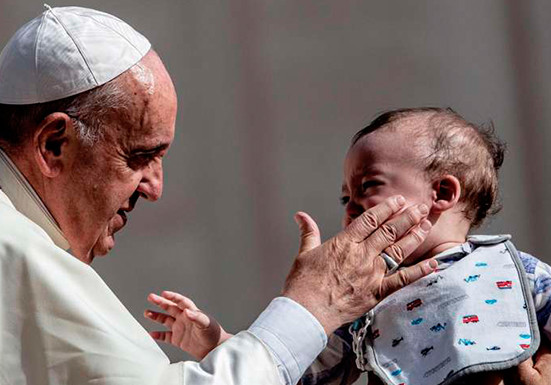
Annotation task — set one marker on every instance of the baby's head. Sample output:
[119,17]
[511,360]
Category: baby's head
[431,156]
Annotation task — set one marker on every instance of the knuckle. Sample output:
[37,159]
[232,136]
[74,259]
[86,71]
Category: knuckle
[413,215]
[417,236]
[370,220]
[310,233]
[403,278]
[389,232]
[397,252]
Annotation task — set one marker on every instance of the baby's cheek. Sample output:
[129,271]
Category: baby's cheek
[373,201]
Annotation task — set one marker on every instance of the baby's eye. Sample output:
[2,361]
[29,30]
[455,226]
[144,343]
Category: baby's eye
[370,183]
[344,200]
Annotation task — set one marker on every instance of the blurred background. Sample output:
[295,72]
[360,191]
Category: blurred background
[270,94]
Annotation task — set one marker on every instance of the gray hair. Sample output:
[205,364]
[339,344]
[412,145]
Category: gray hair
[89,110]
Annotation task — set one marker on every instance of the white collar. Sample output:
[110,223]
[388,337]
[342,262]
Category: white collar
[21,194]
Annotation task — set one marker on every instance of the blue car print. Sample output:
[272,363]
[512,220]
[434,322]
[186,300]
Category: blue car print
[466,342]
[417,321]
[494,348]
[396,372]
[481,264]
[525,336]
[491,301]
[438,327]
[472,278]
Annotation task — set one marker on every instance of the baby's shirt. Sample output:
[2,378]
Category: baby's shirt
[336,364]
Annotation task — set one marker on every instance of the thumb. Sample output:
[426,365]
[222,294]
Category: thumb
[309,232]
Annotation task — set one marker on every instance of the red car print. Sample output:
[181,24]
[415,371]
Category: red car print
[525,346]
[470,318]
[504,284]
[413,304]
[376,333]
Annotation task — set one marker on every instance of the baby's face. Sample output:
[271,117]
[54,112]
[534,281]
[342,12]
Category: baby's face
[381,164]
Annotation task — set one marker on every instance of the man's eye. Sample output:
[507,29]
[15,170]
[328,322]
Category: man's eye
[140,160]
[344,200]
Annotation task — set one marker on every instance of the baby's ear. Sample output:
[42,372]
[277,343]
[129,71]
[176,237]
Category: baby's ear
[446,191]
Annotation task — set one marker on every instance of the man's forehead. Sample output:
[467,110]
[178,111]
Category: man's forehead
[150,119]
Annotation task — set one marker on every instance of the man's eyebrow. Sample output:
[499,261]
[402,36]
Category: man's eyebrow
[150,150]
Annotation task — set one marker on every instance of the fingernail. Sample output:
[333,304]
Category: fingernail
[432,264]
[400,200]
[425,225]
[423,209]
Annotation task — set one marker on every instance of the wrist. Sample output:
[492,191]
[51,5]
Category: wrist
[326,316]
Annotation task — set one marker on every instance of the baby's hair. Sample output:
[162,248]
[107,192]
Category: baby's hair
[470,152]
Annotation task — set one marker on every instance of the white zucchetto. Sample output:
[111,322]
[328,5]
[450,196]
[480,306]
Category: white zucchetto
[66,51]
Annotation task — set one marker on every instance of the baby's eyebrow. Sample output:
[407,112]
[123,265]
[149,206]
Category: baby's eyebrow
[344,188]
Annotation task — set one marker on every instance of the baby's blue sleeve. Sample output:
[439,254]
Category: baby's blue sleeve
[539,278]
[336,365]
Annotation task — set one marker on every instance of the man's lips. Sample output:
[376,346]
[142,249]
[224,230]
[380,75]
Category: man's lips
[119,223]
[122,214]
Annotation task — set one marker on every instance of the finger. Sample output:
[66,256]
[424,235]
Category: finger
[180,300]
[404,277]
[400,250]
[161,318]
[165,304]
[393,230]
[526,366]
[199,318]
[309,232]
[369,221]
[161,336]
[524,373]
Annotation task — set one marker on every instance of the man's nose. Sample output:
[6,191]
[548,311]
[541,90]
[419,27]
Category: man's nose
[151,185]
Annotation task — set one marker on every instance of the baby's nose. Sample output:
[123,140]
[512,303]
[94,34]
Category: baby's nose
[353,210]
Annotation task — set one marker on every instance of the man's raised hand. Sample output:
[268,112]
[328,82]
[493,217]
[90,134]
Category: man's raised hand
[343,278]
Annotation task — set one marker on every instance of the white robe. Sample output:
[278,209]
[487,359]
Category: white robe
[61,324]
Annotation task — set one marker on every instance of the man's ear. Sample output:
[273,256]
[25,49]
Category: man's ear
[446,192]
[51,143]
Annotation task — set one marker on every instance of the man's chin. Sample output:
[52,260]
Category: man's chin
[103,246]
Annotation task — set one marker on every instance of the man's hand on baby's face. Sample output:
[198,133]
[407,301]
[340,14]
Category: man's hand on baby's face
[344,277]
[189,328]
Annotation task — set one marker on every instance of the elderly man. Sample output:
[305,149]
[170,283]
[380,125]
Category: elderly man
[87,111]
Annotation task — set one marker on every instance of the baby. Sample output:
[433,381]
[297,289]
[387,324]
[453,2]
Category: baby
[431,156]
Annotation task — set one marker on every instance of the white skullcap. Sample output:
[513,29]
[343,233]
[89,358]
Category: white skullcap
[66,51]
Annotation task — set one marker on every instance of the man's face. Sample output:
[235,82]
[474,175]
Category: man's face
[382,164]
[107,179]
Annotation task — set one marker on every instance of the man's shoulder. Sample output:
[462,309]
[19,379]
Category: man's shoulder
[18,233]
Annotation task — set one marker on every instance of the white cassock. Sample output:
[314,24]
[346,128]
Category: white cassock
[61,324]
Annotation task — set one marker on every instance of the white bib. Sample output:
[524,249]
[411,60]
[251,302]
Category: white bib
[475,315]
